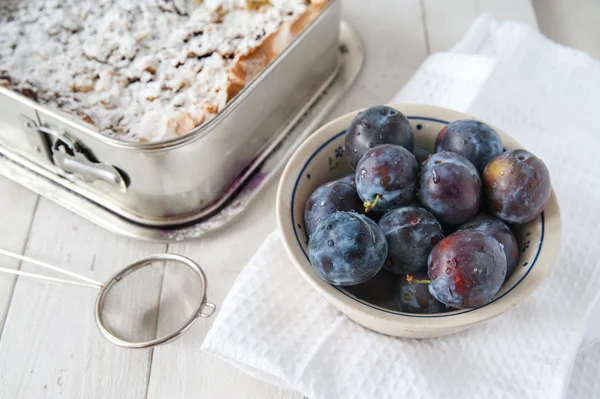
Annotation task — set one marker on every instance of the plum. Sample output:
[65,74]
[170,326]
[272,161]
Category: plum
[329,198]
[411,233]
[450,187]
[347,249]
[501,232]
[474,140]
[374,126]
[517,186]
[386,177]
[466,269]
[415,298]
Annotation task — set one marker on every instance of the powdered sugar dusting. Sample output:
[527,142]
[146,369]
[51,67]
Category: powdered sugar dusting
[137,70]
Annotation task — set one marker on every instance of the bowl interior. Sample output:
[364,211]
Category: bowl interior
[322,159]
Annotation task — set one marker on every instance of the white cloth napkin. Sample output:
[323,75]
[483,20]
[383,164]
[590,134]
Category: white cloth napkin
[274,326]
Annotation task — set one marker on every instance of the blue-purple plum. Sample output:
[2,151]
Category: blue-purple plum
[517,186]
[386,177]
[416,298]
[411,233]
[501,232]
[327,199]
[466,269]
[374,126]
[474,140]
[450,187]
[347,249]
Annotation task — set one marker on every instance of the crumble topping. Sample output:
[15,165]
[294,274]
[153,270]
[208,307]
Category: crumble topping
[140,70]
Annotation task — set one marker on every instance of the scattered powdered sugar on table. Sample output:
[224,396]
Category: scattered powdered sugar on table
[137,70]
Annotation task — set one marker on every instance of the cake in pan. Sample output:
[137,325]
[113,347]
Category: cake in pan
[144,70]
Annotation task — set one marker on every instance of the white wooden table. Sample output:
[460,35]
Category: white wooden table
[49,344]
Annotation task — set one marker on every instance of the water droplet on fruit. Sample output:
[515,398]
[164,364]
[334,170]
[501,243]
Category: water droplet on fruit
[330,243]
[382,137]
[501,173]
[536,175]
[436,177]
[365,124]
[448,270]
[363,172]
[401,186]
[329,227]
[433,276]
[354,151]
[448,261]
[322,203]
[371,145]
[464,141]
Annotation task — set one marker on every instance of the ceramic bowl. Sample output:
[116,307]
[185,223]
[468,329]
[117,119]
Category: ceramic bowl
[321,159]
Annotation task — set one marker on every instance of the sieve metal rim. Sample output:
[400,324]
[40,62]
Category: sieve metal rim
[179,330]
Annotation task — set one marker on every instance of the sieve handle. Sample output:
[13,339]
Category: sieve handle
[88,281]
[47,278]
[211,309]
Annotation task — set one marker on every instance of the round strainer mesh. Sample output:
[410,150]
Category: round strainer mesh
[150,301]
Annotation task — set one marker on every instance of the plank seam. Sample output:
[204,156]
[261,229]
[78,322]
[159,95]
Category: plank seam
[19,265]
[424,24]
[151,355]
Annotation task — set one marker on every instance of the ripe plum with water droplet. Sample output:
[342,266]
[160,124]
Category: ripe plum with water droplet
[466,269]
[374,126]
[347,249]
[450,187]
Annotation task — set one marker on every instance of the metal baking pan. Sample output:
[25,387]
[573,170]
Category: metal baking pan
[181,180]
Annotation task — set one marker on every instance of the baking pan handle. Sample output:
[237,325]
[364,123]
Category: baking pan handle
[89,171]
[70,156]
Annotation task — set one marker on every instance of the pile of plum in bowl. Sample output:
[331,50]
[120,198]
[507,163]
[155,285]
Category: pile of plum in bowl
[418,221]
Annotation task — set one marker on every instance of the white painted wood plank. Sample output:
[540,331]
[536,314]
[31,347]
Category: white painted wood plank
[51,346]
[514,10]
[448,21]
[17,206]
[393,36]
[574,23]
